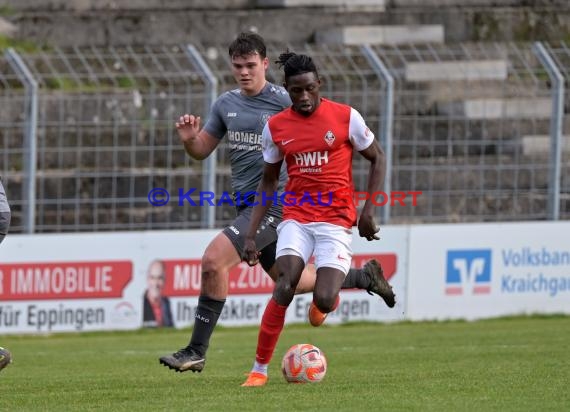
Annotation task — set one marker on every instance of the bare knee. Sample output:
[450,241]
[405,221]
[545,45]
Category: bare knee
[213,269]
[284,291]
[212,266]
[214,276]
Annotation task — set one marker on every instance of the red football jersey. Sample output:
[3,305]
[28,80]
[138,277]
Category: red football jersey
[318,152]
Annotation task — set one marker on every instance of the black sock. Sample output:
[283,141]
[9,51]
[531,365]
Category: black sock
[356,279]
[207,315]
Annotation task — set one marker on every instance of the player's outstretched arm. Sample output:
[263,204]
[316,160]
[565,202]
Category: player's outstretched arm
[199,144]
[367,226]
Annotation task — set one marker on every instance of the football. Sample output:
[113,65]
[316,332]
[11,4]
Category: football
[304,363]
[5,358]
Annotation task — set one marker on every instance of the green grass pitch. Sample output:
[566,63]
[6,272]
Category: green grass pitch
[512,364]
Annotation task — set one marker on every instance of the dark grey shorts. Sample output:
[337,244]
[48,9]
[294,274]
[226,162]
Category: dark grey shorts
[266,239]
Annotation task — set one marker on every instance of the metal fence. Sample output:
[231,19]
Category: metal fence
[471,124]
[86,133]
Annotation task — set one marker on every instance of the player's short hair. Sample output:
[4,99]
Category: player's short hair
[294,64]
[247,43]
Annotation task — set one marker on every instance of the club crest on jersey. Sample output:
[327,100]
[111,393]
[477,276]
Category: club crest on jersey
[329,138]
[265,117]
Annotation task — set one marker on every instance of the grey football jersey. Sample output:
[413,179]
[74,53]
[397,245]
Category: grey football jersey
[4,207]
[242,119]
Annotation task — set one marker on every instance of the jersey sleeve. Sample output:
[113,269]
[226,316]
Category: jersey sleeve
[360,135]
[271,153]
[215,124]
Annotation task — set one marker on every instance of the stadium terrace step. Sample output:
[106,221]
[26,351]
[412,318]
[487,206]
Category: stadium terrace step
[388,35]
[498,108]
[457,70]
[321,3]
[7,28]
[540,145]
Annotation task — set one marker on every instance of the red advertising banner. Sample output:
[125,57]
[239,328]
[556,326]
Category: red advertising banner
[64,280]
[183,277]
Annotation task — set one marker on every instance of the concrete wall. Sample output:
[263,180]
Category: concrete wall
[389,34]
[243,4]
[477,3]
[106,22]
[84,5]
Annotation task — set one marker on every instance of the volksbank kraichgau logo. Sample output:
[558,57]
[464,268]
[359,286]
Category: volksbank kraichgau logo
[468,272]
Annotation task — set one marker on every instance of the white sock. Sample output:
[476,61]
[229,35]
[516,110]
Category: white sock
[260,368]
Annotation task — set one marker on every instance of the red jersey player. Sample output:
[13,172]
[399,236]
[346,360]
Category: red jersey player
[316,137]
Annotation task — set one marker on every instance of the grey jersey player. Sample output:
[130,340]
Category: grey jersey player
[241,115]
[5,214]
[242,119]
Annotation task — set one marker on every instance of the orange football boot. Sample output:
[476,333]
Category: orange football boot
[255,379]
[316,317]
